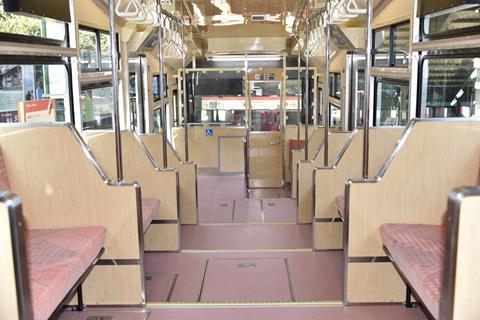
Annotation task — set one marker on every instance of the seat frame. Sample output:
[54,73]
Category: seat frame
[76,289]
[410,290]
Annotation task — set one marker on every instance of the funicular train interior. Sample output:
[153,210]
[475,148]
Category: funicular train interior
[239,159]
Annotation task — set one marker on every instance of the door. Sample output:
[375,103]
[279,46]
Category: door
[265,135]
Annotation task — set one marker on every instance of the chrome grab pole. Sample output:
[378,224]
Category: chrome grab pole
[307,82]
[115,90]
[326,94]
[368,64]
[163,106]
[186,113]
[299,94]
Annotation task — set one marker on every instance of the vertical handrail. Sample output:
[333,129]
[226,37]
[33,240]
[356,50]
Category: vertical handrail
[326,94]
[299,88]
[368,61]
[115,91]
[247,126]
[162,88]
[307,81]
[185,97]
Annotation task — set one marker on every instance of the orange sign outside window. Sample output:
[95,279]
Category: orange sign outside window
[36,111]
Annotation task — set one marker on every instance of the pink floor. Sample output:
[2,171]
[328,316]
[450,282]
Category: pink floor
[246,237]
[255,313]
[247,211]
[245,277]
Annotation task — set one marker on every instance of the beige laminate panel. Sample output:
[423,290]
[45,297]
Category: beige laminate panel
[291,133]
[114,285]
[61,188]
[435,158]
[374,282]
[232,155]
[203,150]
[330,182]
[265,159]
[137,167]
[306,174]
[162,237]
[297,156]
[467,280]
[328,235]
[187,177]
[8,289]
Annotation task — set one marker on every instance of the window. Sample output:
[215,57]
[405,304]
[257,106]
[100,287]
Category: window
[34,93]
[293,95]
[450,87]
[216,97]
[335,116]
[95,50]
[156,87]
[392,46]
[391,103]
[335,85]
[47,30]
[460,19]
[97,107]
[382,47]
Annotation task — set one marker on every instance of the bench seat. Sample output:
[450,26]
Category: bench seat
[340,204]
[150,208]
[57,259]
[418,251]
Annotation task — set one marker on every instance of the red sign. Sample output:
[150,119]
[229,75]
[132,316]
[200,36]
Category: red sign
[36,111]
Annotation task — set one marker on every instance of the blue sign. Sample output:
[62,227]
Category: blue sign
[209,132]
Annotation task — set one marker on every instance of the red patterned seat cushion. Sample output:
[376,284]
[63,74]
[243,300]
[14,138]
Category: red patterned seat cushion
[56,261]
[418,251]
[340,203]
[149,210]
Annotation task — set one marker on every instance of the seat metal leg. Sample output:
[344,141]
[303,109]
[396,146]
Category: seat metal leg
[80,307]
[408,299]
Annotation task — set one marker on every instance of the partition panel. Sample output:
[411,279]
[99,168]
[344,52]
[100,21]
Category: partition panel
[432,158]
[305,201]
[155,183]
[187,176]
[61,186]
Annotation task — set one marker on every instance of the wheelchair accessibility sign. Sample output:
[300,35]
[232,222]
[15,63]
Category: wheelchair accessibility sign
[209,132]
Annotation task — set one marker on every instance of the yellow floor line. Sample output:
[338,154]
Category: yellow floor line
[169,305]
[247,250]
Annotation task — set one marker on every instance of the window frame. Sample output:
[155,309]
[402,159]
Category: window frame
[375,97]
[98,45]
[392,48]
[460,53]
[446,34]
[36,60]
[21,38]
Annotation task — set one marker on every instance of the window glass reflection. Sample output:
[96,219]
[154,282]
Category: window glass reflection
[216,97]
[391,108]
[451,87]
[452,20]
[97,108]
[34,93]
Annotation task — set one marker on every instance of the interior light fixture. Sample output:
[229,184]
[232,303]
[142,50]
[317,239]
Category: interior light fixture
[240,58]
